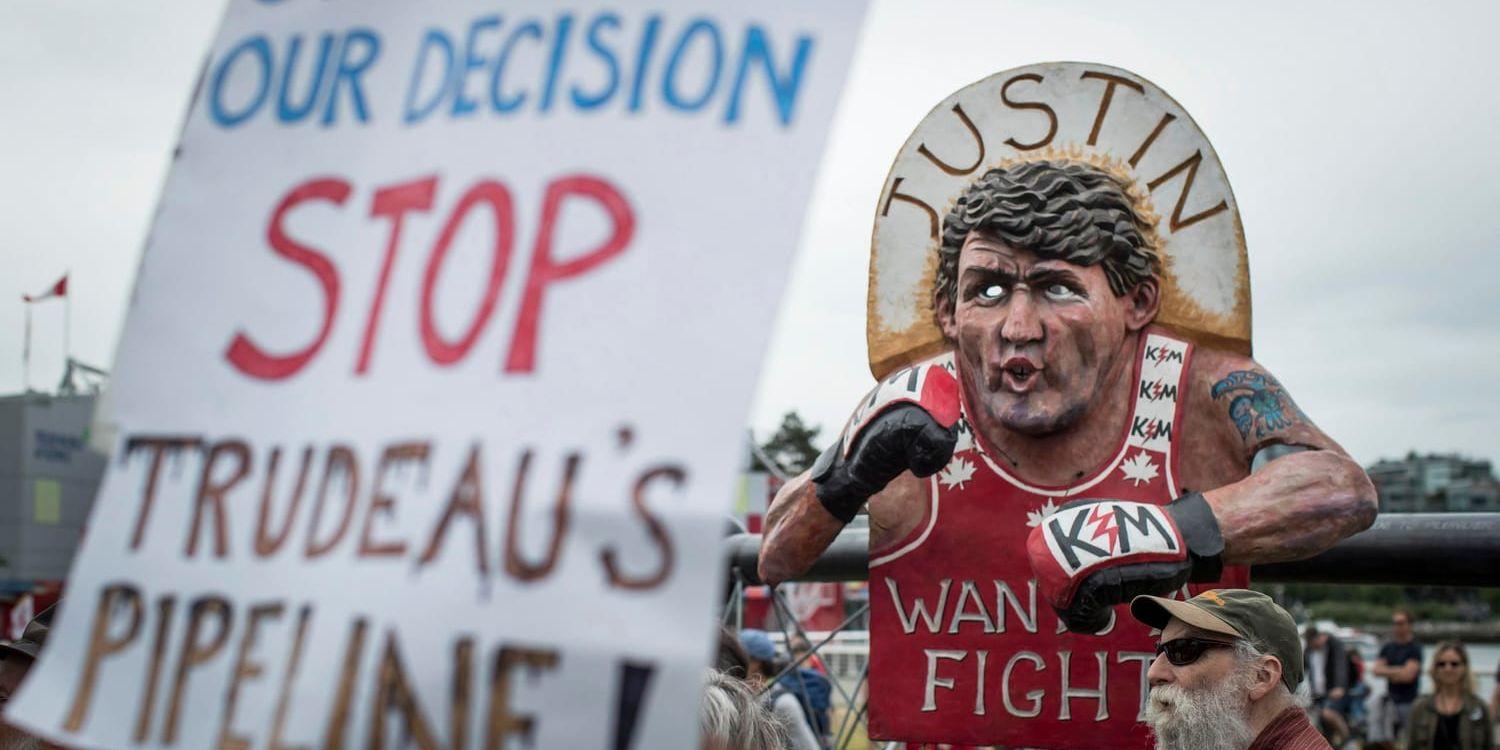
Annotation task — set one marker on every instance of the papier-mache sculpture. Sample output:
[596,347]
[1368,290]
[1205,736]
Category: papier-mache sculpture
[1066,414]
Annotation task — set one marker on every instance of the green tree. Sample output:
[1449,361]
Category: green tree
[791,446]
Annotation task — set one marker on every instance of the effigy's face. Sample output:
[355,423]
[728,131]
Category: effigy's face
[1034,337]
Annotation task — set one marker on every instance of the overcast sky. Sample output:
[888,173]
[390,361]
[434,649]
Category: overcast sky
[1360,140]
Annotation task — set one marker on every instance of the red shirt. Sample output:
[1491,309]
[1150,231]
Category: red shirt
[963,649]
[1290,731]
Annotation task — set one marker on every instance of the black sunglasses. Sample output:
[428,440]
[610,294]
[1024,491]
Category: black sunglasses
[1184,651]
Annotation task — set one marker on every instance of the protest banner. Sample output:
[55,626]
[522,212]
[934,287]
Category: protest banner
[432,386]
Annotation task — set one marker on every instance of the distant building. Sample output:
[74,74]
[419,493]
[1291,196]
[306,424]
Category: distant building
[1435,484]
[48,478]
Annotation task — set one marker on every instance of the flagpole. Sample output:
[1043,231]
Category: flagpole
[26,354]
[67,327]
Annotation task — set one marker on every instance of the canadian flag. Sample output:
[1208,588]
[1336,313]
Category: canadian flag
[60,289]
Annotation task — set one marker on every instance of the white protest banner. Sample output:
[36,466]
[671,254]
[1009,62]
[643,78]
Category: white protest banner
[434,380]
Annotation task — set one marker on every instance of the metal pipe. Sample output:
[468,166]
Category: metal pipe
[1435,549]
[846,559]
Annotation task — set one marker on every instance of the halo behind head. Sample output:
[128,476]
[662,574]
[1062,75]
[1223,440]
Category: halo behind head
[1094,120]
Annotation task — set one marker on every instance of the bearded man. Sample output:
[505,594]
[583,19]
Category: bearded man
[1171,462]
[1225,676]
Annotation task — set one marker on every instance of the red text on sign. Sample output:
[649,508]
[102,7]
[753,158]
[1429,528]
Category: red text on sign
[395,203]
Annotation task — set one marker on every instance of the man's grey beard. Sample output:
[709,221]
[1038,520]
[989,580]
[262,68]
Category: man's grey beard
[1216,717]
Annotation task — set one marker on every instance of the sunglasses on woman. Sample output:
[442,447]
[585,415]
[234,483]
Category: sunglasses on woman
[1184,651]
[1450,664]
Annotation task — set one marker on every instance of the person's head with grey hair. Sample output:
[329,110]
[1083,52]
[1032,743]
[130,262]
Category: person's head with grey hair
[732,717]
[1226,674]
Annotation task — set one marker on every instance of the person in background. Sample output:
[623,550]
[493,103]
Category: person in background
[765,665]
[1400,663]
[809,682]
[1358,690]
[16,658]
[801,647]
[1495,695]
[1453,717]
[731,717]
[732,659]
[1327,668]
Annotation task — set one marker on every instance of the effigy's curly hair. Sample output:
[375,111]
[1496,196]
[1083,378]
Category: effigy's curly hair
[1064,210]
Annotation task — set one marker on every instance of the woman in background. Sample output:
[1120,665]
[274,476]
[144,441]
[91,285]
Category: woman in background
[1453,717]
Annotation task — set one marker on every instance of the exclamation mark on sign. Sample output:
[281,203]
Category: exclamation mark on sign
[635,678]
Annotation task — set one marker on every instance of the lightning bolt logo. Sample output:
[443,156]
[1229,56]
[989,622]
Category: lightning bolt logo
[1104,516]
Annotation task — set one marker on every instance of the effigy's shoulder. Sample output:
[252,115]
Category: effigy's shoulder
[931,384]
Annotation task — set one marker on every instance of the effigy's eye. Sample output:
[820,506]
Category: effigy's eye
[991,291]
[1061,292]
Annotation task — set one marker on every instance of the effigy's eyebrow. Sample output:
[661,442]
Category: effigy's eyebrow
[1037,275]
[1003,273]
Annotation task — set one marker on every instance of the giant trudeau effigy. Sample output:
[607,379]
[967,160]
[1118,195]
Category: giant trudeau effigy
[1066,414]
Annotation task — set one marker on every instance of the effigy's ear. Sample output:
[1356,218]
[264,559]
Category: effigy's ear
[942,314]
[1142,303]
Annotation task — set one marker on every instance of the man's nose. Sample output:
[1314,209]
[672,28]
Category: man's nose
[1160,672]
[1023,322]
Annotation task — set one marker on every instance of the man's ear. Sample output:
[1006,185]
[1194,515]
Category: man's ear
[1267,673]
[942,315]
[1142,303]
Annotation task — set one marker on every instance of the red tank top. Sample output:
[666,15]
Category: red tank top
[962,647]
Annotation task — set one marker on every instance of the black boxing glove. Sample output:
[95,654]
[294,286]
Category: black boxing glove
[908,423]
[1093,554]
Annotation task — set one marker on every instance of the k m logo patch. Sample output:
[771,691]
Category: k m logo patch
[1086,534]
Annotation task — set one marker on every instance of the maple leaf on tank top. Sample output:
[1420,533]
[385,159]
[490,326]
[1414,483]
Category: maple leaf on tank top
[1139,469]
[1034,518]
[958,471]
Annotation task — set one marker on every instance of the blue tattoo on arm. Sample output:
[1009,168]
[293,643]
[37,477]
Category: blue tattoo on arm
[1258,402]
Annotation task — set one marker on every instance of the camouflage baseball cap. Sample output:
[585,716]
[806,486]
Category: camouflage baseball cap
[1239,613]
